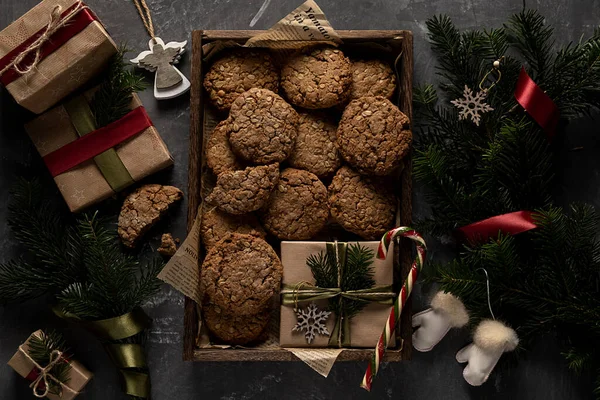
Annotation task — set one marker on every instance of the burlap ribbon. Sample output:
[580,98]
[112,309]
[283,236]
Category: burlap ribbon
[44,374]
[291,295]
[109,163]
[130,358]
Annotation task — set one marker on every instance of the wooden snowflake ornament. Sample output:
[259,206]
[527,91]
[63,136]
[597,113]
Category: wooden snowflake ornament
[169,81]
[311,321]
[472,105]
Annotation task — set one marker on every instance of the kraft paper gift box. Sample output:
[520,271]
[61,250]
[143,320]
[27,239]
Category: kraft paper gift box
[89,167]
[25,366]
[365,327]
[77,48]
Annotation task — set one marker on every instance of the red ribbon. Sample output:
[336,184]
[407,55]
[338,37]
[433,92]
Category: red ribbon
[537,104]
[97,142]
[33,375]
[78,23]
[512,223]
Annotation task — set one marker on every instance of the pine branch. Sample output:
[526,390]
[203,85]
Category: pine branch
[112,101]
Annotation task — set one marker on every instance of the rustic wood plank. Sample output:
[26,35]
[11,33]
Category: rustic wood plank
[344,34]
[190,318]
[398,43]
[283,355]
[406,75]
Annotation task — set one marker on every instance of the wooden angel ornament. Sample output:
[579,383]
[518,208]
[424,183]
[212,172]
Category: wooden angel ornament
[169,82]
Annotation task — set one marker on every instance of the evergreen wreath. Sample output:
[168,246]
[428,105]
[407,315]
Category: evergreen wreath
[545,281]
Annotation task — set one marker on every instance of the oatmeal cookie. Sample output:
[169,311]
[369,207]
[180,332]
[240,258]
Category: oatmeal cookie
[143,208]
[240,274]
[216,224]
[374,135]
[317,78]
[372,78]
[315,148]
[263,127]
[297,208]
[241,192]
[361,205]
[219,156]
[232,328]
[237,71]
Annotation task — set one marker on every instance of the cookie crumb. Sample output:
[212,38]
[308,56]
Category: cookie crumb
[168,245]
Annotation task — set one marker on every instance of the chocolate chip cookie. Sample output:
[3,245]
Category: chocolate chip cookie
[142,209]
[318,77]
[361,205]
[216,224]
[240,274]
[297,208]
[372,78]
[219,156]
[263,127]
[237,71]
[241,192]
[315,148]
[233,328]
[374,135]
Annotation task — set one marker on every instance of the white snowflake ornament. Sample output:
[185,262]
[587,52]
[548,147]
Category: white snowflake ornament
[472,105]
[311,321]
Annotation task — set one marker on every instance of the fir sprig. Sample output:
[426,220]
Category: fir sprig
[544,281]
[40,350]
[356,274]
[113,99]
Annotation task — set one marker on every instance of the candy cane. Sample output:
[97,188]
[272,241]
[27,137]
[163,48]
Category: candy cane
[400,301]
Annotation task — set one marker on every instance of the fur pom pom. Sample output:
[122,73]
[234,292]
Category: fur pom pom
[452,307]
[494,335]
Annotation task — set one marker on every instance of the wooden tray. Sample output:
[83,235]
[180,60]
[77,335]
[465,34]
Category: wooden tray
[401,44]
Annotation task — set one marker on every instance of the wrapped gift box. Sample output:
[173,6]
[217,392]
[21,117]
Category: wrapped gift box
[77,49]
[24,365]
[365,327]
[89,167]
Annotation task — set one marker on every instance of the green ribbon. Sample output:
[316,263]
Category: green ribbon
[109,163]
[130,358]
[291,295]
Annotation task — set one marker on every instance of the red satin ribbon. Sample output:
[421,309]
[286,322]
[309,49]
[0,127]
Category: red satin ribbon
[512,223]
[78,23]
[537,104]
[97,142]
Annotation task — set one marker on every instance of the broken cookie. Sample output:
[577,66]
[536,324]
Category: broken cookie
[143,208]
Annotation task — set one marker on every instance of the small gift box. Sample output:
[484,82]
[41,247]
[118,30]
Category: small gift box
[52,50]
[89,163]
[47,378]
[360,289]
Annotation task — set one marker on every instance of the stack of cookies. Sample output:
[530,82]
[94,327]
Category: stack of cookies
[282,140]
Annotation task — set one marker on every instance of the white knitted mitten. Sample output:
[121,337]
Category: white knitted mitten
[447,311]
[490,341]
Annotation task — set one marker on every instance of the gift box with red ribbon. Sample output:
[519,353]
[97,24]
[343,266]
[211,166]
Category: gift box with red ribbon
[42,376]
[90,163]
[52,50]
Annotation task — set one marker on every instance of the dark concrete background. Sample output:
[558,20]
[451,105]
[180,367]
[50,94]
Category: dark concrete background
[435,375]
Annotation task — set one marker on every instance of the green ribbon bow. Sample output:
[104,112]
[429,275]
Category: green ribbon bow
[291,295]
[130,358]
[109,163]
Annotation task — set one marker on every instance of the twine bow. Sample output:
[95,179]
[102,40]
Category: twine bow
[56,22]
[44,374]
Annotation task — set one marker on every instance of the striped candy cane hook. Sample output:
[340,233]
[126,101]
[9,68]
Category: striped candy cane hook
[400,301]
